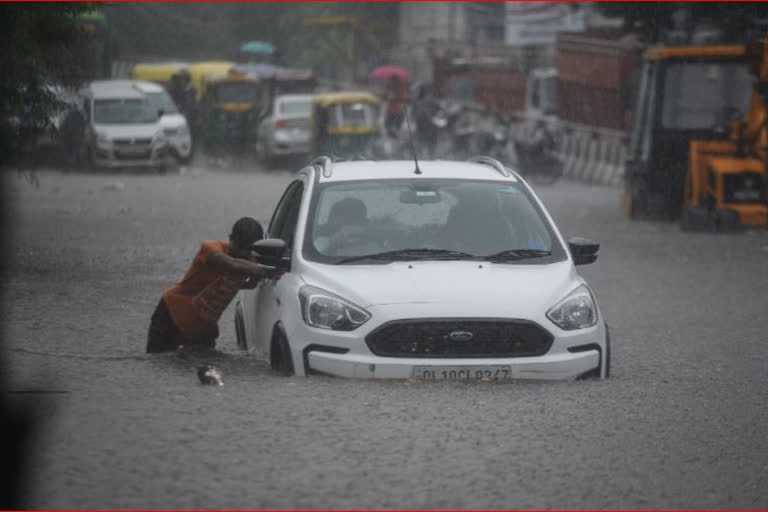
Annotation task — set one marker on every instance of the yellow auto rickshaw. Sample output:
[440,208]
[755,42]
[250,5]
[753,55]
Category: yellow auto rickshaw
[201,72]
[158,72]
[344,124]
[231,110]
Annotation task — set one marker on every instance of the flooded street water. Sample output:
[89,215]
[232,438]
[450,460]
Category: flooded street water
[681,423]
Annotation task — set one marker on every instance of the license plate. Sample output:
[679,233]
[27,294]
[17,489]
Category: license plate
[462,372]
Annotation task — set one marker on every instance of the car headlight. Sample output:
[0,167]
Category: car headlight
[576,311]
[328,311]
[159,139]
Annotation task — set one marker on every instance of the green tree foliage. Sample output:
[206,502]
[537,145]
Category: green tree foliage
[37,42]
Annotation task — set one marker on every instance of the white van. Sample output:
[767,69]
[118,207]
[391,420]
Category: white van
[175,125]
[123,128]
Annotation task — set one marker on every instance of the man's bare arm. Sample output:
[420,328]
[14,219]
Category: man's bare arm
[242,266]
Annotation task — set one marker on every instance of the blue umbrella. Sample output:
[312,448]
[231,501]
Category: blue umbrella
[257,48]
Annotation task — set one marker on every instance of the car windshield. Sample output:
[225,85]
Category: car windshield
[699,95]
[428,219]
[237,92]
[161,100]
[123,111]
[295,107]
[354,114]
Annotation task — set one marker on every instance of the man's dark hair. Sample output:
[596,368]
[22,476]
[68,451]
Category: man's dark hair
[246,231]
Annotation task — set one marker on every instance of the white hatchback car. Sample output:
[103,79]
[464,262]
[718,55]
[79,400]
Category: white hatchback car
[445,271]
[174,124]
[286,130]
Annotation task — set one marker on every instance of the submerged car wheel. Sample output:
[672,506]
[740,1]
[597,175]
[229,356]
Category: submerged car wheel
[242,342]
[280,355]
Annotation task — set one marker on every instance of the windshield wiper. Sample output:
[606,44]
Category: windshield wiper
[517,254]
[411,254]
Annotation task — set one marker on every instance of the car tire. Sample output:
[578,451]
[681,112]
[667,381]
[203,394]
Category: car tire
[280,355]
[186,160]
[242,341]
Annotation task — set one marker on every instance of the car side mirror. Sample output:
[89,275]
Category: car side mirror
[583,250]
[270,251]
[160,113]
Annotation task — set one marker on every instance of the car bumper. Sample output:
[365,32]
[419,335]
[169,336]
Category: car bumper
[289,144]
[180,146]
[547,367]
[570,355]
[107,157]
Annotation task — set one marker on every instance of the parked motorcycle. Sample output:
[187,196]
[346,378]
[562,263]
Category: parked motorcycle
[536,156]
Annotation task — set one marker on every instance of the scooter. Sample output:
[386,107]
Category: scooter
[537,159]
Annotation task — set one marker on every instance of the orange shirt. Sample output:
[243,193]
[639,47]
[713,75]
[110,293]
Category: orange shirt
[197,301]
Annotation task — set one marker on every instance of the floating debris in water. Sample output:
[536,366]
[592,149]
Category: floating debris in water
[209,375]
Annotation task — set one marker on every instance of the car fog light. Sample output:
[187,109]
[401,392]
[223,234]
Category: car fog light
[576,311]
[328,311]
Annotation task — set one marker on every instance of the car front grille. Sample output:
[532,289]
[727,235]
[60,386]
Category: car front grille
[133,142]
[459,338]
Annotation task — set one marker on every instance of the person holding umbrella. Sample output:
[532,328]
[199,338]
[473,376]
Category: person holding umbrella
[395,95]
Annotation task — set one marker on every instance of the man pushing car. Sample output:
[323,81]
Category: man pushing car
[188,312]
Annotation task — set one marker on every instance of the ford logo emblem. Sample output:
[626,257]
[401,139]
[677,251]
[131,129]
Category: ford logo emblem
[461,336]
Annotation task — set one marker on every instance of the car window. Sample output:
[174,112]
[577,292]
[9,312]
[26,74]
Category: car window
[476,217]
[295,107]
[283,224]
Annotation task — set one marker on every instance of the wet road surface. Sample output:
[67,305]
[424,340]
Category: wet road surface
[681,423]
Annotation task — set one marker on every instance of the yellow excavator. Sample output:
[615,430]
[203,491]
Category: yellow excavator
[725,187]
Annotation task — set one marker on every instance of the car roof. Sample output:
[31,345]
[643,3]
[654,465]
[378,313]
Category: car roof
[105,89]
[404,169]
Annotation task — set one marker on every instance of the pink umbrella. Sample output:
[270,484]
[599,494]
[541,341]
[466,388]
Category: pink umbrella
[387,72]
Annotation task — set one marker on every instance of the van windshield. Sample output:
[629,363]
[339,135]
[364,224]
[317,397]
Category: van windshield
[123,111]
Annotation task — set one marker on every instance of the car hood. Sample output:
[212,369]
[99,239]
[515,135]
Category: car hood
[495,287]
[128,130]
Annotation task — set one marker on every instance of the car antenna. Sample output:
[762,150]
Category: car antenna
[413,147]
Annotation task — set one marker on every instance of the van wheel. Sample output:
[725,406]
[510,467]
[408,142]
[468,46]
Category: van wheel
[280,355]
[242,342]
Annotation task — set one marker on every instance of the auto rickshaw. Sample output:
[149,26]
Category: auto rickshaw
[159,72]
[201,72]
[344,124]
[231,111]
